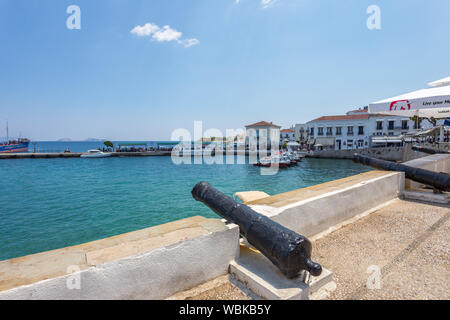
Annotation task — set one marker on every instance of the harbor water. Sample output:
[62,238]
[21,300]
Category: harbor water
[53,203]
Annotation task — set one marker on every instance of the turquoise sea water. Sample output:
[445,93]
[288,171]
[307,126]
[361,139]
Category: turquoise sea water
[52,203]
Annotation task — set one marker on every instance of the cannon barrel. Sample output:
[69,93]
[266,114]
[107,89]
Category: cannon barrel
[428,150]
[286,249]
[438,180]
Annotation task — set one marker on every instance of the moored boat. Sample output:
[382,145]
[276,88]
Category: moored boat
[13,146]
[95,154]
[281,161]
[263,162]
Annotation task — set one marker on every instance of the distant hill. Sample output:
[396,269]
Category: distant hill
[64,140]
[94,140]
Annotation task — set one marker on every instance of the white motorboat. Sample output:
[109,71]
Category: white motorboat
[284,161]
[95,154]
[297,156]
[280,161]
[264,162]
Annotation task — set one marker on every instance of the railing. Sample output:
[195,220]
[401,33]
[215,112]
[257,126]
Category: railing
[398,128]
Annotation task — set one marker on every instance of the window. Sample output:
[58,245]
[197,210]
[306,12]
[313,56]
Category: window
[312,131]
[360,130]
[360,143]
[391,125]
[350,143]
[320,133]
[338,131]
[379,125]
[329,131]
[350,131]
[405,125]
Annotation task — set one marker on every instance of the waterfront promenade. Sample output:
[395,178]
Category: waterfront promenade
[408,240]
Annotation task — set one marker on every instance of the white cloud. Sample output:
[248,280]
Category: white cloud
[267,3]
[264,3]
[164,34]
[145,30]
[190,42]
[167,34]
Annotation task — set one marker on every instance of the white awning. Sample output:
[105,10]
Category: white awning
[440,83]
[384,141]
[325,141]
[432,102]
[430,132]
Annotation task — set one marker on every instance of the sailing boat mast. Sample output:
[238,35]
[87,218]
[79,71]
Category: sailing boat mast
[7,131]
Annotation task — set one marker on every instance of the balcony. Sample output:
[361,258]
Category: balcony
[398,128]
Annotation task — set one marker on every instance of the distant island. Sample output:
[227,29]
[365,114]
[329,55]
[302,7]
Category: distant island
[87,140]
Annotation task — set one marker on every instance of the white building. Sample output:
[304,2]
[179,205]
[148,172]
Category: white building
[301,133]
[355,130]
[264,132]
[287,135]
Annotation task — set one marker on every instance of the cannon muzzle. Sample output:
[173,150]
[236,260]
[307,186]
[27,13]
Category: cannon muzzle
[286,249]
[437,180]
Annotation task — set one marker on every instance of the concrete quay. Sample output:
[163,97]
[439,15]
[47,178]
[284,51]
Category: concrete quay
[57,155]
[407,241]
[397,154]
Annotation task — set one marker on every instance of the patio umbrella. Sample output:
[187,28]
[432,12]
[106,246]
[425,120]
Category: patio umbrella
[426,103]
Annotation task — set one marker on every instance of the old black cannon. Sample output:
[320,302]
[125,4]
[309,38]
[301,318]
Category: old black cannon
[428,150]
[437,180]
[286,249]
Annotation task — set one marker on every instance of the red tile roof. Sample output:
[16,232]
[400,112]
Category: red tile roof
[347,117]
[286,130]
[262,123]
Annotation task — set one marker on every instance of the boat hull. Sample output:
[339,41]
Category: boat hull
[94,156]
[14,148]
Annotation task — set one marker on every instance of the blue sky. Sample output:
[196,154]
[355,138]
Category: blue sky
[286,61]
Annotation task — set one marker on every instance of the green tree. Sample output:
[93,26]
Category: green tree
[417,121]
[109,144]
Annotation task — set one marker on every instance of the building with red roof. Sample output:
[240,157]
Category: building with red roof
[262,133]
[355,130]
